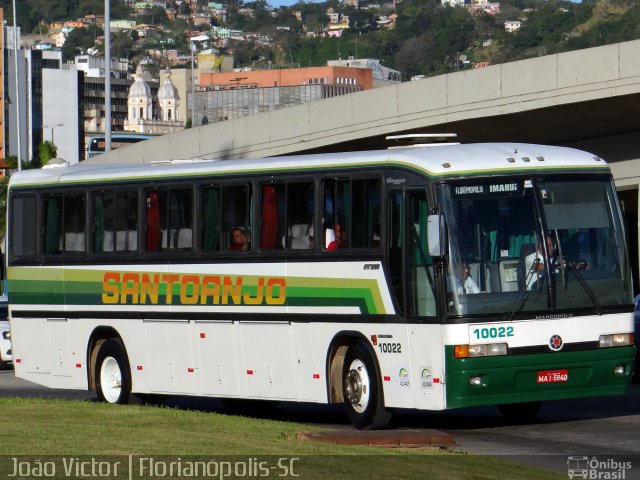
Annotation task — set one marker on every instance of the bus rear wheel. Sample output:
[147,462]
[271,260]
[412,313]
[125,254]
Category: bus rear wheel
[362,390]
[112,374]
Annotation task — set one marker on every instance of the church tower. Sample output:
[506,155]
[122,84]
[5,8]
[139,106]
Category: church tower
[168,99]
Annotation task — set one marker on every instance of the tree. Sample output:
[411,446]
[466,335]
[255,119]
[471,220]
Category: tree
[80,39]
[46,151]
[122,45]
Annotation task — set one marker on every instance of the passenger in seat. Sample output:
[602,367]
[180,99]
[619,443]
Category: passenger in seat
[239,239]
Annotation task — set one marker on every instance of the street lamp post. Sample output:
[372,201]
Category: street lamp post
[193,89]
[52,127]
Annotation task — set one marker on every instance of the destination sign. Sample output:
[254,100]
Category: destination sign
[497,189]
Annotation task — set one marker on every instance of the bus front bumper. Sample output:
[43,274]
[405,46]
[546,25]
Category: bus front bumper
[548,376]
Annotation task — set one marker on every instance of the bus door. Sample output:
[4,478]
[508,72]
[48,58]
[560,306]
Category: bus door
[412,276]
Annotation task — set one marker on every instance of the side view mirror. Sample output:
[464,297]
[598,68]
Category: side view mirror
[436,230]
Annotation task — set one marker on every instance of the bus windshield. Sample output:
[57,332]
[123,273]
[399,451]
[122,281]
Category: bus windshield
[534,247]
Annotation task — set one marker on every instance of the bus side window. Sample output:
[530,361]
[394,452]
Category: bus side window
[351,215]
[180,231]
[300,213]
[222,209]
[236,205]
[156,228]
[23,237]
[126,221]
[102,216]
[52,225]
[210,218]
[272,213]
[114,221]
[74,223]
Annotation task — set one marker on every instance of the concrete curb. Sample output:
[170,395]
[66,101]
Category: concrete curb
[382,438]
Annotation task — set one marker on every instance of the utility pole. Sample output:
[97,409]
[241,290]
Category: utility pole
[17,98]
[107,77]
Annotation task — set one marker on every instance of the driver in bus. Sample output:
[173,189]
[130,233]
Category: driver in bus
[535,266]
[466,283]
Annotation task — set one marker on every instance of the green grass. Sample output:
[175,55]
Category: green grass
[65,428]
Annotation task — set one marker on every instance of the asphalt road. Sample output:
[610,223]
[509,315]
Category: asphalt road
[604,428]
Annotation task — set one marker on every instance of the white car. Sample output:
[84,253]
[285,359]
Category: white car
[6,357]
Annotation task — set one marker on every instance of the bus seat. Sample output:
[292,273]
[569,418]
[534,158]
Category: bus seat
[493,283]
[329,237]
[107,245]
[121,239]
[184,238]
[299,237]
[132,240]
[509,274]
[74,242]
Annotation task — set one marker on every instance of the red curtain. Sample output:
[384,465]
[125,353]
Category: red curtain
[269,218]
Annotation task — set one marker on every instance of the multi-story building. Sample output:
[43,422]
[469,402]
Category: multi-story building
[382,76]
[223,96]
[2,93]
[48,108]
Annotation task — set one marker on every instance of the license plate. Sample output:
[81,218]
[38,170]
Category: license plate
[553,376]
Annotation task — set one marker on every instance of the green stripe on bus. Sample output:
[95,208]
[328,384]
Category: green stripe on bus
[85,287]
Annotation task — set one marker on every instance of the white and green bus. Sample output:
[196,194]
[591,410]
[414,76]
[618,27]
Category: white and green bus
[351,283]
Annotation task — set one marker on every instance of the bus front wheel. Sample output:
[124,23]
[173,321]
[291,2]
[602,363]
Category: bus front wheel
[113,375]
[362,389]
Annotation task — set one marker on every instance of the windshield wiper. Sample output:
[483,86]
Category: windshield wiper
[586,287]
[519,300]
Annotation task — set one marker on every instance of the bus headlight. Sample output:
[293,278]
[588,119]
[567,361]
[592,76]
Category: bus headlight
[616,340]
[482,350]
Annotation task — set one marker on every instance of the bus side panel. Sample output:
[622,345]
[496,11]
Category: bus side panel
[411,364]
[215,347]
[171,367]
[54,359]
[267,360]
[427,360]
[30,355]
[309,362]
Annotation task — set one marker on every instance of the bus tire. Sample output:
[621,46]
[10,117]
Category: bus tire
[113,374]
[520,412]
[362,389]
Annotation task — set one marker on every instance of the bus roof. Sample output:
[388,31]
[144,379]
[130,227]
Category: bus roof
[434,161]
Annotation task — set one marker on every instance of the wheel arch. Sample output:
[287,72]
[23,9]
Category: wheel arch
[97,338]
[335,362]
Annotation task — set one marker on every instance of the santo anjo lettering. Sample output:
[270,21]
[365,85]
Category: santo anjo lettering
[166,288]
